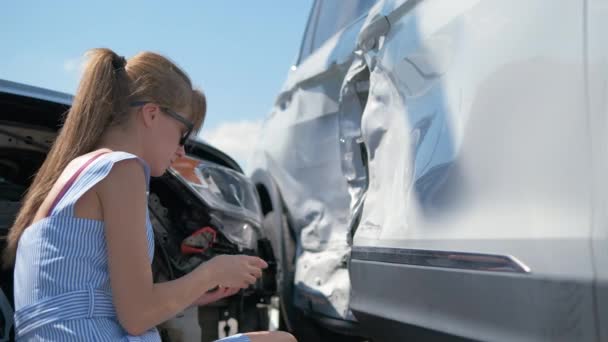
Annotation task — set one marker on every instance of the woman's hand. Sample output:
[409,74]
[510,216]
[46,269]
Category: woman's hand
[215,295]
[235,271]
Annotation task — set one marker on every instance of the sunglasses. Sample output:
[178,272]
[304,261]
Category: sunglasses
[189,125]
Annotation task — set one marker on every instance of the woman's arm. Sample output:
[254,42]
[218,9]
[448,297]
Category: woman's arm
[140,304]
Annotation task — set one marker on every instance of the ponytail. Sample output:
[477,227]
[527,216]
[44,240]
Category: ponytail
[101,100]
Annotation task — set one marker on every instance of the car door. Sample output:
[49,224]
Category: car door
[477,216]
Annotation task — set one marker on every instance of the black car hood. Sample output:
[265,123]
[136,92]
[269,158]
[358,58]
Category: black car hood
[38,107]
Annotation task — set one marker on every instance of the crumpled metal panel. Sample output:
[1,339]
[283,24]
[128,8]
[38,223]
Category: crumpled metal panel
[306,168]
[300,147]
[474,118]
[478,139]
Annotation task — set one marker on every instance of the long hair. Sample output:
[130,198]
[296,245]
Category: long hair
[108,84]
[199,106]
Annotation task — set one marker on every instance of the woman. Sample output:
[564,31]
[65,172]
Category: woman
[82,243]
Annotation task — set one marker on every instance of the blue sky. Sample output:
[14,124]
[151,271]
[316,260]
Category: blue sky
[238,52]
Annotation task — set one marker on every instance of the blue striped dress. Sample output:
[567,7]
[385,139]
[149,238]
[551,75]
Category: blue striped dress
[62,283]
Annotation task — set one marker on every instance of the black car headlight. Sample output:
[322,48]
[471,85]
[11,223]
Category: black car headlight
[226,192]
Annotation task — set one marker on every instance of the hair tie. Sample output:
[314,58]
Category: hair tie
[119,62]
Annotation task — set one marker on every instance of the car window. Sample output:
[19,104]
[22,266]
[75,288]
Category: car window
[306,47]
[328,17]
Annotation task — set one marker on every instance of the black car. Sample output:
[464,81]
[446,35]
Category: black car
[203,206]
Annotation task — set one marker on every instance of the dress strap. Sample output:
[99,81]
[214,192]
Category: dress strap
[94,170]
[71,181]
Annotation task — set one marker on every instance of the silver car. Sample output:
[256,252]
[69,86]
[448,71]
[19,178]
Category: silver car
[437,168]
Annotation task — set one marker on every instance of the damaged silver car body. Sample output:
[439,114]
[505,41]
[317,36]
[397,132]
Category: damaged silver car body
[437,168]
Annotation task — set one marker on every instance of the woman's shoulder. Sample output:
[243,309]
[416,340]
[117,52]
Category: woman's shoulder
[124,175]
[117,166]
[105,153]
[110,158]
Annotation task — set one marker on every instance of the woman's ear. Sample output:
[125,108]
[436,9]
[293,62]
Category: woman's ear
[149,112]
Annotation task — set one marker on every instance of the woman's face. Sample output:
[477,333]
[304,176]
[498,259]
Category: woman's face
[167,134]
